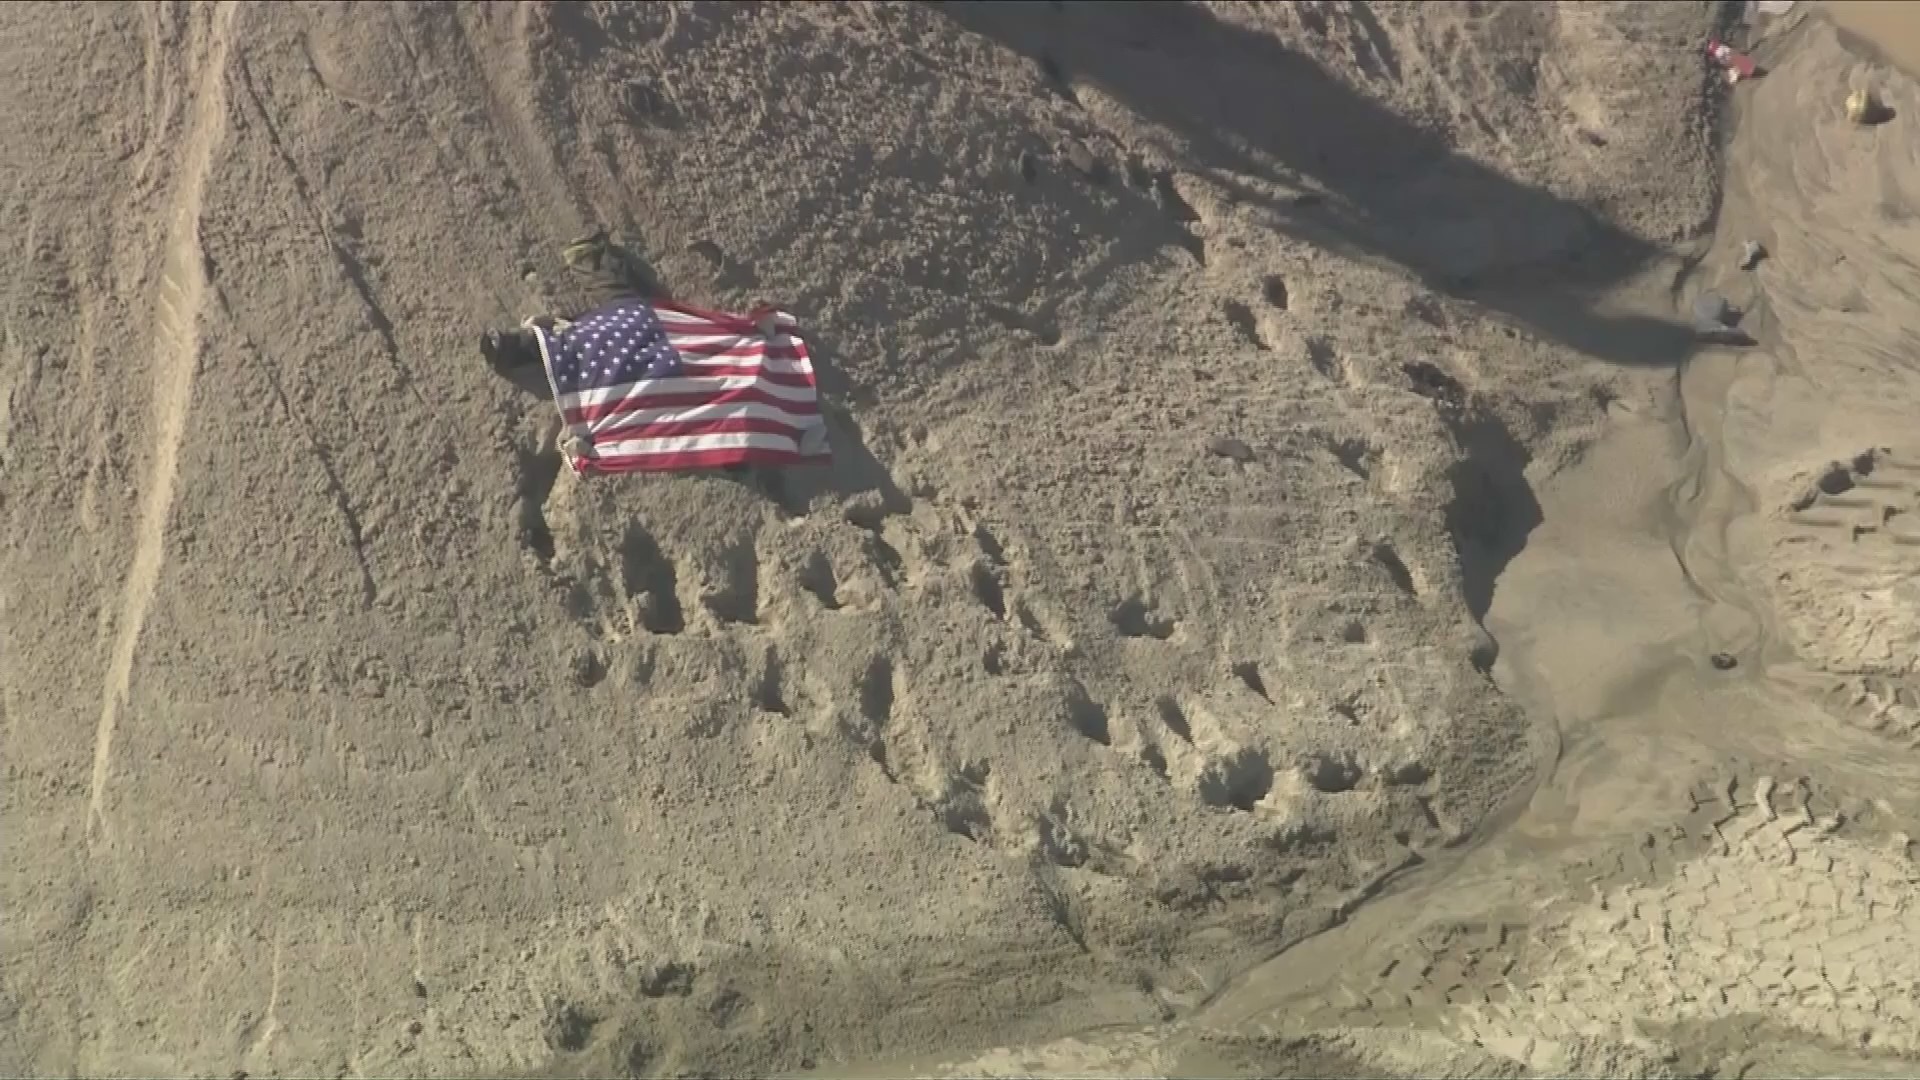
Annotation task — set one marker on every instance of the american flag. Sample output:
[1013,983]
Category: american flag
[663,386]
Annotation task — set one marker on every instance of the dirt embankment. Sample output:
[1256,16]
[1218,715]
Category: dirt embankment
[1181,429]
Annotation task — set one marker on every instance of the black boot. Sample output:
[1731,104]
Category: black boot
[508,351]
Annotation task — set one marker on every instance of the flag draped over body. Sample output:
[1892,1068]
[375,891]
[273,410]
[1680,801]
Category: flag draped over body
[661,386]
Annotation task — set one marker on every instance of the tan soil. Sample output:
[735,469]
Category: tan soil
[1277,513]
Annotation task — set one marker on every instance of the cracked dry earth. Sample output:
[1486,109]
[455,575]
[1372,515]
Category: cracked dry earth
[1146,625]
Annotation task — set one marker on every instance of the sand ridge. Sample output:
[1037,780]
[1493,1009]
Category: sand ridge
[183,287]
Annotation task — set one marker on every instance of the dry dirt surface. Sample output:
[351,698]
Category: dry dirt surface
[1194,373]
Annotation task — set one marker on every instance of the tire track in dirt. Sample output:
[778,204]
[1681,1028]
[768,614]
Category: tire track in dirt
[530,156]
[1754,910]
[181,296]
[13,370]
[1841,567]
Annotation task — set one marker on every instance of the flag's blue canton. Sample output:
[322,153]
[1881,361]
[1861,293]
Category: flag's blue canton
[611,347]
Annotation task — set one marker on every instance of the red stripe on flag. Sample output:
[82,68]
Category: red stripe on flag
[740,395]
[697,459]
[724,371]
[723,425]
[736,348]
[723,321]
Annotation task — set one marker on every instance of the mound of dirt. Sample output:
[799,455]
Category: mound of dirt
[1187,375]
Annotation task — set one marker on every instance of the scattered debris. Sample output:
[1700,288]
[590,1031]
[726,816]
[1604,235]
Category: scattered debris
[1227,446]
[644,103]
[1858,103]
[1084,160]
[1738,65]
[1770,7]
[1865,108]
[1724,661]
[1750,254]
[1427,309]
[1716,320]
[1430,382]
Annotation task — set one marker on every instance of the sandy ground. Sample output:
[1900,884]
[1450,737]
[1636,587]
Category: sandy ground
[1256,531]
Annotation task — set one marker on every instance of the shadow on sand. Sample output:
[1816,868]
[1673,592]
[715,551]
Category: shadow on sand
[1377,186]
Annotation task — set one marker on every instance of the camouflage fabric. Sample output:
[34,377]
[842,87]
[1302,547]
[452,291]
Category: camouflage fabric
[602,270]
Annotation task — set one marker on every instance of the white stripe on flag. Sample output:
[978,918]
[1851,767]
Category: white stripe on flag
[746,410]
[729,337]
[688,444]
[778,364]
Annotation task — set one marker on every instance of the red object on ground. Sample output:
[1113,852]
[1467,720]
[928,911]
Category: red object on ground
[1737,62]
